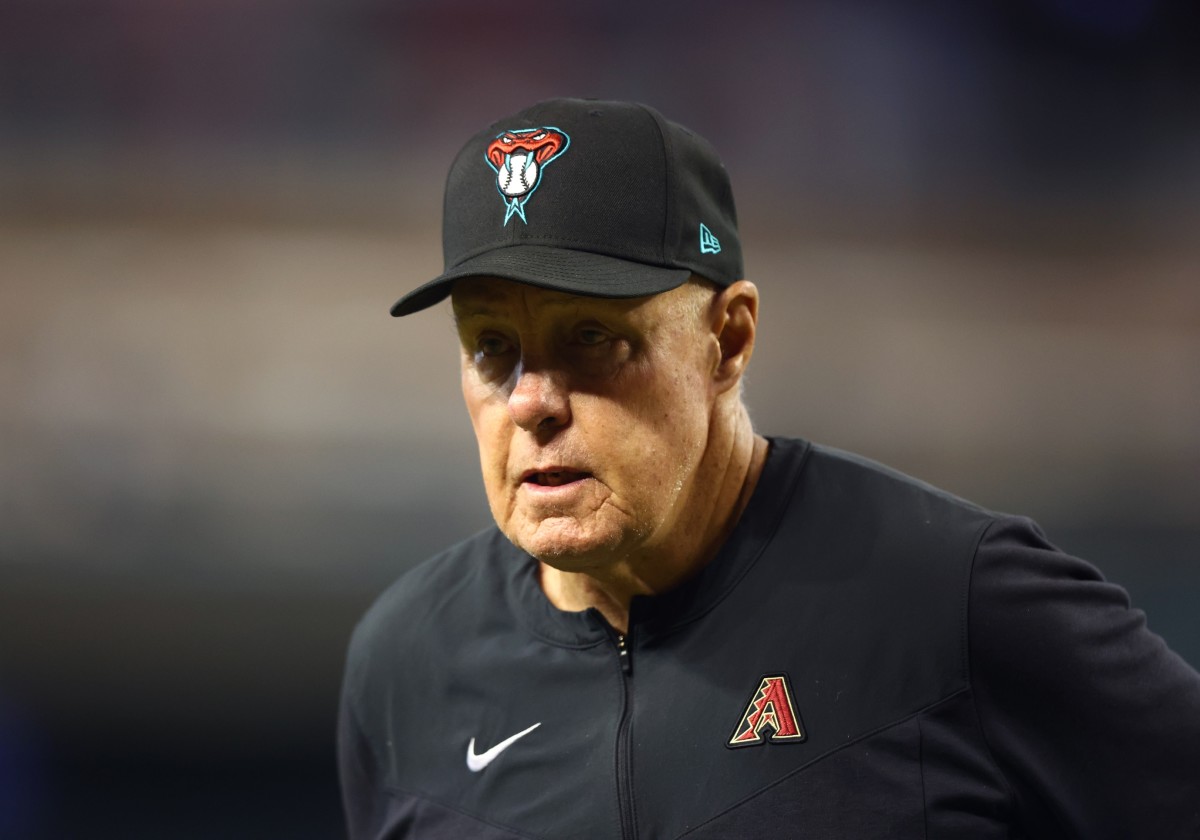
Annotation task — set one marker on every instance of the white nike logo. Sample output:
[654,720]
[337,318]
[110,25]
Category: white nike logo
[475,763]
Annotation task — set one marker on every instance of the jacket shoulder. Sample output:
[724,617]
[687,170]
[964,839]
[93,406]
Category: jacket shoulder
[846,476]
[867,540]
[439,594]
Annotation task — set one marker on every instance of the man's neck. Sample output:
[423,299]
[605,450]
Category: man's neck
[733,469]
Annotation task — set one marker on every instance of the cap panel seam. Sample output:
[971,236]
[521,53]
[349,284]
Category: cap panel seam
[669,181]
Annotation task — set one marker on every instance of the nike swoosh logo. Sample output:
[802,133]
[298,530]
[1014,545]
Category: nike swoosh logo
[475,762]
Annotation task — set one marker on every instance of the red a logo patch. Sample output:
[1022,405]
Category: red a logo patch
[770,707]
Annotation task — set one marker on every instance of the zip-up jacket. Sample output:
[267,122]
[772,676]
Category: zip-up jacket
[866,657]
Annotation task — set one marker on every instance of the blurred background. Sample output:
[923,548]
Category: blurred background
[974,226]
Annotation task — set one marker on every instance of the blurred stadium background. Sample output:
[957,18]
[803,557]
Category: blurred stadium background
[974,226]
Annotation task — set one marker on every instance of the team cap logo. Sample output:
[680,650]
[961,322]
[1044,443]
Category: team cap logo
[518,159]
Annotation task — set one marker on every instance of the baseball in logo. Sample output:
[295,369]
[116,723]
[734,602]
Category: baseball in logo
[519,158]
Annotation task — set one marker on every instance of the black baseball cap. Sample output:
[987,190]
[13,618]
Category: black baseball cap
[607,199]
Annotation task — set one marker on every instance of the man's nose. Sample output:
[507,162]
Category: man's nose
[539,400]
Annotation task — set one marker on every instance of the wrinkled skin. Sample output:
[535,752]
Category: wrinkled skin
[602,424]
[613,394]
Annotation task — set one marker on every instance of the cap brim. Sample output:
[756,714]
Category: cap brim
[561,269]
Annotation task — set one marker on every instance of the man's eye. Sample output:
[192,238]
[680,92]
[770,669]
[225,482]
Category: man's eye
[591,337]
[492,345]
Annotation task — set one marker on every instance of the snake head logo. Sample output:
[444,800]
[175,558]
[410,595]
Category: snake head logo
[518,158]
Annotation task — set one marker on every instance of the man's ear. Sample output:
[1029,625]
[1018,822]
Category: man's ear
[734,323]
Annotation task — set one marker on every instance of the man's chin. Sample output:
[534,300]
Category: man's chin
[567,546]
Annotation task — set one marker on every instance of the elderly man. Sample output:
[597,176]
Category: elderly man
[679,627]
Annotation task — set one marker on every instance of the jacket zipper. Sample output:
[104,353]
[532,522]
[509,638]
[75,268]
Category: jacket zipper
[624,759]
[623,653]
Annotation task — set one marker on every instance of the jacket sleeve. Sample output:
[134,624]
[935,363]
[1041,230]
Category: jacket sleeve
[358,771]
[1093,720]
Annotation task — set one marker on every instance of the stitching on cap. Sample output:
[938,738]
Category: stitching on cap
[668,158]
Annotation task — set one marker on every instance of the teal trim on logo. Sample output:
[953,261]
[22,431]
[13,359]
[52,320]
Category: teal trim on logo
[535,149]
[709,244]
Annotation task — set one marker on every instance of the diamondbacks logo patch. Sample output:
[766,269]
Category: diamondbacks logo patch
[518,158]
[771,709]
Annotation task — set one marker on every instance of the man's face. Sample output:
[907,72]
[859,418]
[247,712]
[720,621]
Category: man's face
[591,414]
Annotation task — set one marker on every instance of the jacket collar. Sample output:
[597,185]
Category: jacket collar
[691,600]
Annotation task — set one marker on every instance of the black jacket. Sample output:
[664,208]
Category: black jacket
[950,674]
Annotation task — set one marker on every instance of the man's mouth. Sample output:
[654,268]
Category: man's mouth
[554,477]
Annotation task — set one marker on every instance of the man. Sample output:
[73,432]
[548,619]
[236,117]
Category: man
[679,627]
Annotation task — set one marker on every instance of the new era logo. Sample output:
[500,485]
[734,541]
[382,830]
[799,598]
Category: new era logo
[709,244]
